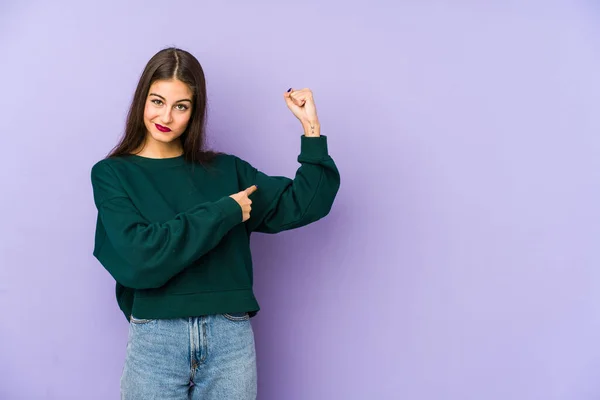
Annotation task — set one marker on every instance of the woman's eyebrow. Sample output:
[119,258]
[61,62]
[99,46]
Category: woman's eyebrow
[178,101]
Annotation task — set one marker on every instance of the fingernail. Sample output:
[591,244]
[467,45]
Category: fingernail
[289,90]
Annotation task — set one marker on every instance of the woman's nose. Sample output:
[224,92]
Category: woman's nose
[166,116]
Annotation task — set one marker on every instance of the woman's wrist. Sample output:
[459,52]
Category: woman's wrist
[311,129]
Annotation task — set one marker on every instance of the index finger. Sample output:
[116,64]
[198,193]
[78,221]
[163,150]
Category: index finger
[251,190]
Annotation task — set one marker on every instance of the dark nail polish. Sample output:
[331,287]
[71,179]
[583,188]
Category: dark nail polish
[289,89]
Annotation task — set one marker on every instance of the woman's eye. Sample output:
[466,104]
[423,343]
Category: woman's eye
[157,102]
[181,107]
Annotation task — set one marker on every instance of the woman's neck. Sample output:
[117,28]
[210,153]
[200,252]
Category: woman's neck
[154,149]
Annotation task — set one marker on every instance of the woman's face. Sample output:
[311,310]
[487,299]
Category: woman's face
[168,110]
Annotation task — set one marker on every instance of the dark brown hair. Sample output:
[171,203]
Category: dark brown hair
[169,63]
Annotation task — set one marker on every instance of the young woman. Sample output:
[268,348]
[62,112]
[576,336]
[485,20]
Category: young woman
[173,229]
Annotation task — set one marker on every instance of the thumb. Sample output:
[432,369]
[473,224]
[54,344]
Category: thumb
[288,98]
[251,190]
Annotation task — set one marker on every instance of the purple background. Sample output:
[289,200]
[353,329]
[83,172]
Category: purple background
[460,260]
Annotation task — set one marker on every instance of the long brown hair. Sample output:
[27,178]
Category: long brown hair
[169,63]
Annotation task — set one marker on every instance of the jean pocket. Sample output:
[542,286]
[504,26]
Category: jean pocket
[139,321]
[240,316]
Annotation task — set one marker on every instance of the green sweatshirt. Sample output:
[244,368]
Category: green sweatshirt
[174,241]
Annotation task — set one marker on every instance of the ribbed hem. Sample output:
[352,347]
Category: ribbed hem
[195,304]
[313,147]
[231,210]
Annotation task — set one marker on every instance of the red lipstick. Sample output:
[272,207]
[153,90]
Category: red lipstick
[162,128]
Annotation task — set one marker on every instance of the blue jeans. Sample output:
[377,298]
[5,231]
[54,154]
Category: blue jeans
[207,357]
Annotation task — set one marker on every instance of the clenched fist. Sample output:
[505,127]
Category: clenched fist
[302,105]
[244,201]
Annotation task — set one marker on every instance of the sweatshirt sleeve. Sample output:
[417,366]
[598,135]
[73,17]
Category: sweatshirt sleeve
[281,203]
[144,254]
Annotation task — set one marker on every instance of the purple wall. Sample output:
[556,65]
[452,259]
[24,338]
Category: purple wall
[460,260]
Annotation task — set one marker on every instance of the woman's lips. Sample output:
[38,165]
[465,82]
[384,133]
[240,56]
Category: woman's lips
[162,128]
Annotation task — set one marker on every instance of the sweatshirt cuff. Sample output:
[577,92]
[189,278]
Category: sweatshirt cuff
[231,210]
[313,147]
